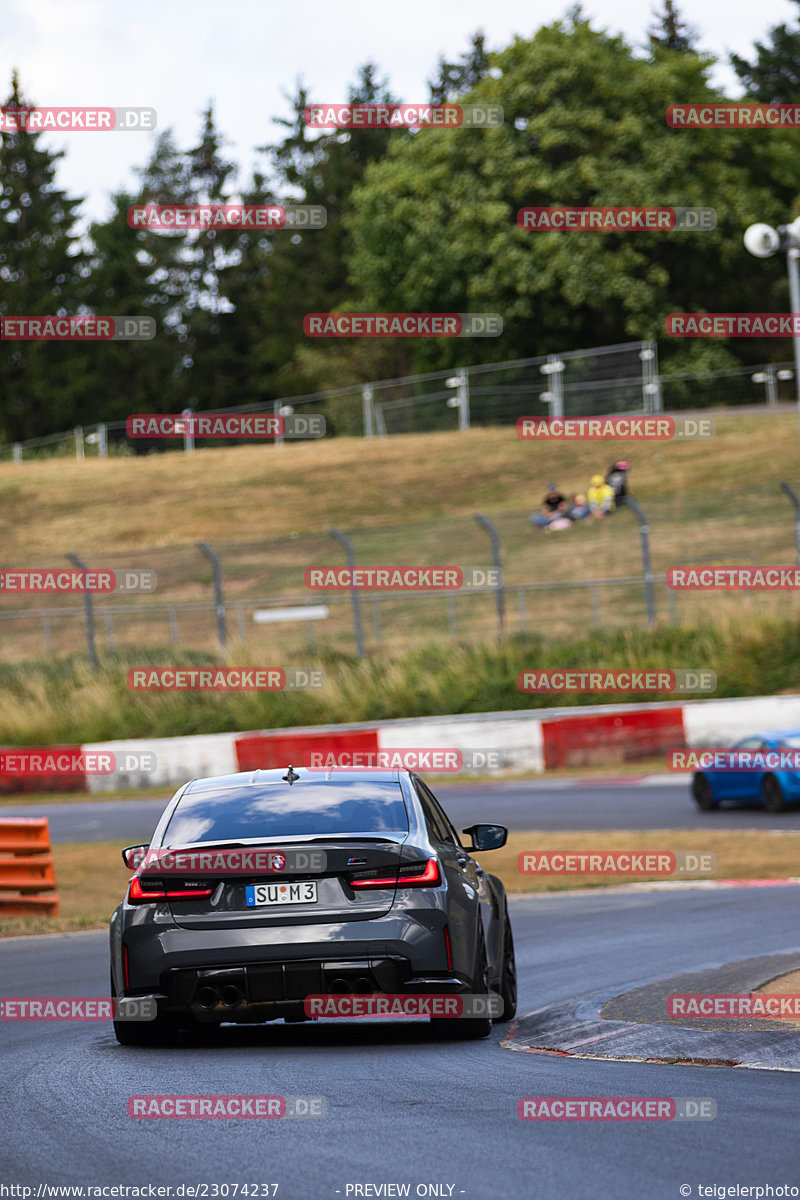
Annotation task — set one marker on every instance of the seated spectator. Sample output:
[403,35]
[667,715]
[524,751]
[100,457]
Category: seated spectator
[558,523]
[600,497]
[578,507]
[554,506]
[617,478]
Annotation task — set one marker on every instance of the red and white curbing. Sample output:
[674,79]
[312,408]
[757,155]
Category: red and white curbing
[529,740]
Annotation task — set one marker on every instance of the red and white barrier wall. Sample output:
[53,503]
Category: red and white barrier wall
[533,740]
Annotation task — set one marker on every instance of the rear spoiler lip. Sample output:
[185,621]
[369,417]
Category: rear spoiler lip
[299,839]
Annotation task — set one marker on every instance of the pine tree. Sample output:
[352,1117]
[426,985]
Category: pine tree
[210,376]
[456,79]
[41,272]
[308,272]
[671,32]
[774,76]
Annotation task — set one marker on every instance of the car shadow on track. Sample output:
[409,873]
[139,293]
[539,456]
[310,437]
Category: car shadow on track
[320,1035]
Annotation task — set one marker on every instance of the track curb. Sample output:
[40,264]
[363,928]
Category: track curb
[576,1028]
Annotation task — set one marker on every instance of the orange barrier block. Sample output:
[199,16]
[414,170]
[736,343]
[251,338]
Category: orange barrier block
[26,867]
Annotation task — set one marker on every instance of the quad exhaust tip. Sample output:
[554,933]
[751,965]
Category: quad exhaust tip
[229,996]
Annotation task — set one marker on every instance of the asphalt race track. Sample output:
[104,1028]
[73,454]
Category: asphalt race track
[533,804]
[403,1107]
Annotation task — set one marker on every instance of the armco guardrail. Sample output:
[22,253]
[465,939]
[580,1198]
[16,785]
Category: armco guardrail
[26,868]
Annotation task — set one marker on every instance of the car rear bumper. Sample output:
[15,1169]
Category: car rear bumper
[267,991]
[251,975]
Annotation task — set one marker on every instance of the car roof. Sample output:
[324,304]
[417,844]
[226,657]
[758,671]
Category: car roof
[279,776]
[774,734]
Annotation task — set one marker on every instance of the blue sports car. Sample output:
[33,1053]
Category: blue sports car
[769,781]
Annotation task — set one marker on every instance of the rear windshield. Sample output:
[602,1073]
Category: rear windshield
[332,809]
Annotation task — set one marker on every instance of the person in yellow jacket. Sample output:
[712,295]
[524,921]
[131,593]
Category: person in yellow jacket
[600,497]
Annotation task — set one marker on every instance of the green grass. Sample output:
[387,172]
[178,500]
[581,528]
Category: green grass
[63,701]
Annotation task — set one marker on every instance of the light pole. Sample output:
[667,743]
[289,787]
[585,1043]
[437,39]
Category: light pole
[554,366]
[763,241]
[461,399]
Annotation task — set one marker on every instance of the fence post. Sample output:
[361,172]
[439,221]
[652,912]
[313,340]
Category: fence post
[499,594]
[88,609]
[102,445]
[17,452]
[460,400]
[651,392]
[463,395]
[646,564]
[188,431]
[78,435]
[369,411]
[204,548]
[555,397]
[350,556]
[795,499]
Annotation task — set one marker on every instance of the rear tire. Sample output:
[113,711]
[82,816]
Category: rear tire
[470,1028]
[508,978]
[702,793]
[772,795]
[161,1031]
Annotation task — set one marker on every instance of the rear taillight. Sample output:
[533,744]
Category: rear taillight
[152,893]
[425,874]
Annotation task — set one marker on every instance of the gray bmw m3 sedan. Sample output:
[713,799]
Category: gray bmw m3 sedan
[261,889]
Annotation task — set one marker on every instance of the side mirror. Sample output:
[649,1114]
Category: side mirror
[487,837]
[133,856]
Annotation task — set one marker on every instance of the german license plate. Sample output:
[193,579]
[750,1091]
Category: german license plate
[265,895]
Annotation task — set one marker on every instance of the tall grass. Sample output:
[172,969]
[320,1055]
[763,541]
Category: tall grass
[47,702]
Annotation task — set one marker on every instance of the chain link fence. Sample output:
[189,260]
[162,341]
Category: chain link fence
[618,378]
[599,381]
[591,576]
